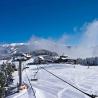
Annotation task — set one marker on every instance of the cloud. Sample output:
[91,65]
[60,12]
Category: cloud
[89,40]
[86,47]
[90,37]
[48,44]
[63,39]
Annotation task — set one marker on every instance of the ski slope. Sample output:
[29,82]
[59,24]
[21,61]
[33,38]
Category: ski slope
[49,86]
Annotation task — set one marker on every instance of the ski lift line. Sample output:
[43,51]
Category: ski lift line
[36,72]
[30,84]
[91,96]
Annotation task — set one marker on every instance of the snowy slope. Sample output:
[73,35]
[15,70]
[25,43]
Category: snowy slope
[49,86]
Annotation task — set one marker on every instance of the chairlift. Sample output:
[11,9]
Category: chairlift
[35,78]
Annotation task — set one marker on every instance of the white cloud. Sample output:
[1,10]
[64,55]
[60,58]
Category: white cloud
[49,44]
[90,37]
[89,40]
[83,49]
[63,39]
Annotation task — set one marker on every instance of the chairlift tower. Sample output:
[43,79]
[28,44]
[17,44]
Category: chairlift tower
[20,60]
[20,72]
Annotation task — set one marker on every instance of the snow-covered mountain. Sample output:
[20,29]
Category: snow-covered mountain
[7,50]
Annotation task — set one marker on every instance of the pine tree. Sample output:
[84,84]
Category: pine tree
[2,85]
[5,77]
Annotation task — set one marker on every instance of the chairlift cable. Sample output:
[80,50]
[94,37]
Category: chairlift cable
[91,96]
[36,72]
[30,84]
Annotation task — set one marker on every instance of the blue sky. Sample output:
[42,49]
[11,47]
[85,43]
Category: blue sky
[20,19]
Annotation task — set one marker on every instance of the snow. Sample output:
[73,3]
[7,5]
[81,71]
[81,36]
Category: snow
[13,44]
[2,61]
[49,86]
[19,95]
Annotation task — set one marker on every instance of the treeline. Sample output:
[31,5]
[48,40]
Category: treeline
[92,61]
[43,52]
[6,78]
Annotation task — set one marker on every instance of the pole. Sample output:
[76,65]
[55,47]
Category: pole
[20,73]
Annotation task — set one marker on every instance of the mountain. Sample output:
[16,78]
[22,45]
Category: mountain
[7,50]
[43,52]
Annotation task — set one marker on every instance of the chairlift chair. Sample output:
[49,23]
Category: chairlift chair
[35,76]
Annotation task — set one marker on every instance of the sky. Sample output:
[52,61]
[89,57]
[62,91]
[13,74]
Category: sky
[21,19]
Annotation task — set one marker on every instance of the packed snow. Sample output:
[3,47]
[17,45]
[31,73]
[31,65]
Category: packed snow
[49,86]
